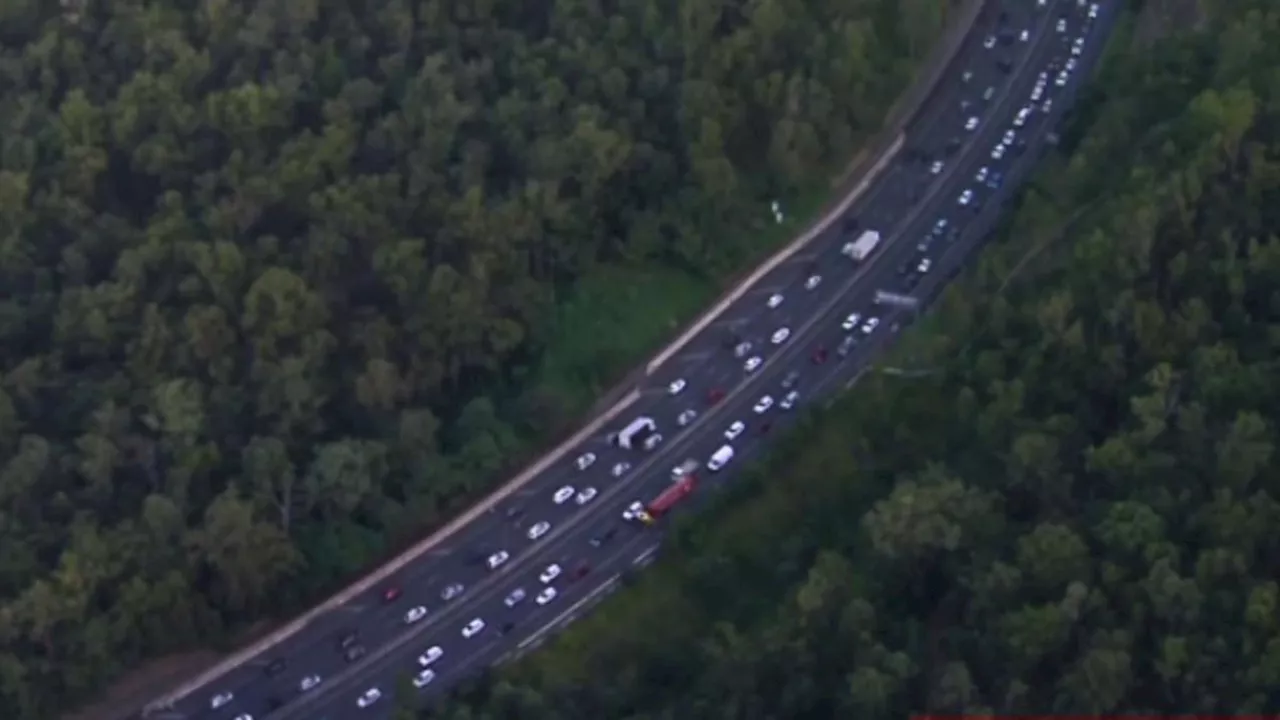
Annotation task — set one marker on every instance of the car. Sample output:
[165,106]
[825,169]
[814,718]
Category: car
[734,430]
[1093,11]
[585,496]
[763,404]
[780,335]
[981,175]
[1037,92]
[971,124]
[1061,27]
[451,591]
[369,697]
[1071,65]
[752,364]
[424,678]
[1077,47]
[790,380]
[272,704]
[495,560]
[789,401]
[562,495]
[1024,36]
[547,595]
[347,639]
[989,93]
[989,42]
[818,356]
[581,571]
[585,460]
[870,325]
[652,441]
[550,574]
[620,469]
[775,300]
[353,653]
[847,345]
[415,614]
[473,628]
[940,227]
[686,417]
[1021,118]
[923,266]
[851,321]
[432,654]
[997,152]
[539,530]
[220,699]
[390,594]
[275,667]
[602,539]
[1009,137]
[514,597]
[936,168]
[966,197]
[995,181]
[677,386]
[633,511]
[308,682]
[1047,106]
[812,282]
[715,395]
[741,349]
[1061,80]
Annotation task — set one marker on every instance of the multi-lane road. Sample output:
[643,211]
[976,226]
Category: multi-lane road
[967,149]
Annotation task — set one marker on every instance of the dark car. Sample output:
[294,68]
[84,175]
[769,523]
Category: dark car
[275,667]
[354,653]
[347,639]
[790,380]
[602,539]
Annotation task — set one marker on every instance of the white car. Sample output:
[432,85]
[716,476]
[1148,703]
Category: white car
[473,628]
[551,573]
[1024,36]
[547,595]
[308,682]
[870,325]
[923,266]
[936,168]
[450,592]
[433,653]
[370,696]
[981,175]
[1071,65]
[734,430]
[741,349]
[812,282]
[997,152]
[585,460]
[789,401]
[677,386]
[780,335]
[686,417]
[1061,26]
[851,321]
[1037,92]
[971,124]
[1061,80]
[966,197]
[563,494]
[1093,11]
[424,678]
[1021,118]
[415,614]
[1009,137]
[763,404]
[1047,106]
[633,511]
[244,716]
[219,700]
[587,495]
[752,364]
[1077,47]
[775,300]
[620,469]
[515,597]
[495,560]
[989,42]
[539,530]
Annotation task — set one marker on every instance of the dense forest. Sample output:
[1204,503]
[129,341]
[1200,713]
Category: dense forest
[283,280]
[1059,494]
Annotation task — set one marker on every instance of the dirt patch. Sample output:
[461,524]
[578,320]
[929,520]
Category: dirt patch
[140,686]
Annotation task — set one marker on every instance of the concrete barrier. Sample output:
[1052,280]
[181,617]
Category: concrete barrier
[905,109]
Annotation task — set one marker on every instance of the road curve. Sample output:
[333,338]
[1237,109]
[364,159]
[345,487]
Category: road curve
[904,205]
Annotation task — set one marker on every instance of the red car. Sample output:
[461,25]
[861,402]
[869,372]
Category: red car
[581,571]
[714,395]
[819,355]
[391,594]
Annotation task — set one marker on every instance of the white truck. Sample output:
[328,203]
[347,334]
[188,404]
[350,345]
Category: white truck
[860,249]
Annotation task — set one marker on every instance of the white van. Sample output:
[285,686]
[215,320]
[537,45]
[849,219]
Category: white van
[720,458]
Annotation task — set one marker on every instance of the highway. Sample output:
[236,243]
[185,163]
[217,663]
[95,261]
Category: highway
[591,542]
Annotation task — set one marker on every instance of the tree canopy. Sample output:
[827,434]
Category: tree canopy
[281,279]
[1069,505]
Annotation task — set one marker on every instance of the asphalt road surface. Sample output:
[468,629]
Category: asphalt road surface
[591,542]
